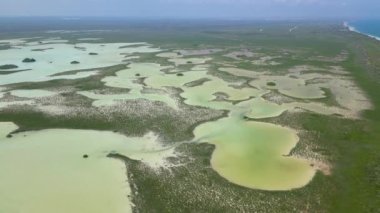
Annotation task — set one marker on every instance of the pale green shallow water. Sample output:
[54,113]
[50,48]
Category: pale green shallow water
[259,108]
[126,79]
[260,145]
[251,154]
[202,95]
[58,56]
[6,128]
[293,87]
[238,134]
[44,171]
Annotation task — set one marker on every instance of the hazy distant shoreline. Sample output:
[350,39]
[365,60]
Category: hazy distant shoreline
[353,29]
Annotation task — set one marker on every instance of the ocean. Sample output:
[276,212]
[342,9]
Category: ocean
[367,27]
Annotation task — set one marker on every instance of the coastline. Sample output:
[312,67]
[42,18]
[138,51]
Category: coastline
[353,29]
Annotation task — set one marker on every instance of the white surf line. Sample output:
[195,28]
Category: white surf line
[353,29]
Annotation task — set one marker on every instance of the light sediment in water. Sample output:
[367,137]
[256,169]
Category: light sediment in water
[60,170]
[253,154]
[57,57]
[248,153]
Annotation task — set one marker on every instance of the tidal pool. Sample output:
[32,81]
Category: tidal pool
[258,108]
[128,78]
[58,55]
[173,80]
[253,154]
[292,87]
[125,78]
[153,77]
[287,85]
[60,170]
[204,94]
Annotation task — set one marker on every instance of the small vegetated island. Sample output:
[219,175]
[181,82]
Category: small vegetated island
[8,66]
[29,60]
[250,124]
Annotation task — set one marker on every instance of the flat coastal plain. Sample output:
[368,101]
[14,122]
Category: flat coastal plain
[204,117]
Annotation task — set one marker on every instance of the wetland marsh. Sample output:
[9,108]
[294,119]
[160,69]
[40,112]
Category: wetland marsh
[122,124]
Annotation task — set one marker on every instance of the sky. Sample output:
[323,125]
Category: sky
[228,9]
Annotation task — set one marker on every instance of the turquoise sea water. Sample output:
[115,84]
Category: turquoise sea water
[368,27]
